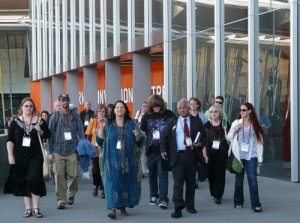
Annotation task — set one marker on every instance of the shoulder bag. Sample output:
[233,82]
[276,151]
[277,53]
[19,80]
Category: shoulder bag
[46,169]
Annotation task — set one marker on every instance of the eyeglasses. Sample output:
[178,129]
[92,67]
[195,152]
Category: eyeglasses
[243,110]
[26,106]
[214,112]
[219,102]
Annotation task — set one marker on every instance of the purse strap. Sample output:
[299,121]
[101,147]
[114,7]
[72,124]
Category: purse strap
[39,136]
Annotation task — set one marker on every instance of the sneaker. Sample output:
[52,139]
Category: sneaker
[61,206]
[71,200]
[153,201]
[163,205]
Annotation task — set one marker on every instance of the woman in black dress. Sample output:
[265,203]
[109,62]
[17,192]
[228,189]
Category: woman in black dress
[26,158]
[216,152]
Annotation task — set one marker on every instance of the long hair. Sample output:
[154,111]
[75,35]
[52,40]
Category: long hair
[20,111]
[155,101]
[127,113]
[254,121]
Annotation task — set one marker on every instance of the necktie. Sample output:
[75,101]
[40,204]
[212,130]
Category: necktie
[186,132]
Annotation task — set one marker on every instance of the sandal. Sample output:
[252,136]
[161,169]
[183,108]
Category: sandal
[27,213]
[258,209]
[37,213]
[238,206]
[123,212]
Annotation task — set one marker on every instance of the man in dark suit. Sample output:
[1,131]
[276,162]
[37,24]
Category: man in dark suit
[86,115]
[179,146]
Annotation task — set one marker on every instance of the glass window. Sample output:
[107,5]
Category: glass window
[205,63]
[204,16]
[178,70]
[98,29]
[274,74]
[178,19]
[123,21]
[109,22]
[157,15]
[139,18]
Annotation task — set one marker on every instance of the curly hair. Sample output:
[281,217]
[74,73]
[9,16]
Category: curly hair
[197,101]
[99,108]
[155,101]
[254,121]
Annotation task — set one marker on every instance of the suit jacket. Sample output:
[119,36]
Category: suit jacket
[168,142]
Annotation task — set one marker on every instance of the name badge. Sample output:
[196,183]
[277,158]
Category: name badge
[119,144]
[156,134]
[68,135]
[245,147]
[26,141]
[188,141]
[216,144]
[86,123]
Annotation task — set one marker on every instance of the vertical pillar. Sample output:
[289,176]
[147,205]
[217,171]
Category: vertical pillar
[72,87]
[103,8]
[116,26]
[167,12]
[191,49]
[141,79]
[294,91]
[219,49]
[57,87]
[113,81]
[131,23]
[253,54]
[90,80]
[46,100]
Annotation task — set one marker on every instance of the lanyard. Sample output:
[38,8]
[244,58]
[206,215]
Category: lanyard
[121,132]
[213,132]
[27,128]
[244,133]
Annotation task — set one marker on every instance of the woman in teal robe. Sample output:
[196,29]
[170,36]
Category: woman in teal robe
[121,141]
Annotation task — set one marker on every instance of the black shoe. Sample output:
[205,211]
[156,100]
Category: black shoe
[192,211]
[218,200]
[257,209]
[176,214]
[71,200]
[112,214]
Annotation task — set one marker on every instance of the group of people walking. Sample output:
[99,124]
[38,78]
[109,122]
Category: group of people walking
[155,142]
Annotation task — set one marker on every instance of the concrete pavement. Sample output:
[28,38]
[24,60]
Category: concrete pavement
[280,201]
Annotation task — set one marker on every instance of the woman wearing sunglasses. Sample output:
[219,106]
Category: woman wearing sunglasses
[246,137]
[215,152]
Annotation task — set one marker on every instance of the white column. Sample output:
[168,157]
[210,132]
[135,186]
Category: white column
[57,37]
[34,40]
[113,80]
[295,85]
[147,21]
[39,41]
[50,34]
[103,8]
[131,23]
[191,49]
[81,32]
[253,54]
[116,26]
[65,35]
[73,34]
[45,39]
[219,49]
[92,31]
[167,19]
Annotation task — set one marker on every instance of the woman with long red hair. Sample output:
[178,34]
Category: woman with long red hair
[246,137]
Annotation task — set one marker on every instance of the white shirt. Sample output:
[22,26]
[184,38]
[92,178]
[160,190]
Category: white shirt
[179,131]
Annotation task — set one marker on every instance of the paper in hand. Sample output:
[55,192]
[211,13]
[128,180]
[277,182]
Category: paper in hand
[197,137]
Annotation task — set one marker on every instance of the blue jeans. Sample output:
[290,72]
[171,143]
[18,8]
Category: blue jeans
[157,178]
[251,168]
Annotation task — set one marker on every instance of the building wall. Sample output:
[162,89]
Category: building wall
[215,48]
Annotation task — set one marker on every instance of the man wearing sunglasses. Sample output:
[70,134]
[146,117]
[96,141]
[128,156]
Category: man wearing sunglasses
[219,100]
[66,129]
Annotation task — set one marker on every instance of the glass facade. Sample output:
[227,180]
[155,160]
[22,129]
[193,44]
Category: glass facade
[197,36]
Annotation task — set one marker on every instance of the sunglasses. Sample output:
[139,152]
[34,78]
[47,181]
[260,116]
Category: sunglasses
[26,106]
[219,102]
[243,110]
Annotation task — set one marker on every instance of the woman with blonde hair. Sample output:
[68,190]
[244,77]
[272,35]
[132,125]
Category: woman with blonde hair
[215,152]
[246,137]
